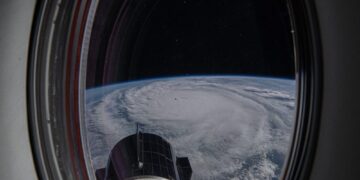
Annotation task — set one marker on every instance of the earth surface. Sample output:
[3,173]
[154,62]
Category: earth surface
[230,127]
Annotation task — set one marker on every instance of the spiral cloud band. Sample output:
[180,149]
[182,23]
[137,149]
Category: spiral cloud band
[230,127]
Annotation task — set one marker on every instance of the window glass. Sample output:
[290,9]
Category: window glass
[190,89]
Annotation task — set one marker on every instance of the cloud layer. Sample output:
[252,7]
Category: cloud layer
[229,127]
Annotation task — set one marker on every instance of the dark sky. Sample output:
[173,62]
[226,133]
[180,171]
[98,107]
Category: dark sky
[155,38]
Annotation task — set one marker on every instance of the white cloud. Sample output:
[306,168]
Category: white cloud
[219,123]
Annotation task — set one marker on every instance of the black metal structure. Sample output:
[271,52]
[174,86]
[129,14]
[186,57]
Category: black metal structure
[144,155]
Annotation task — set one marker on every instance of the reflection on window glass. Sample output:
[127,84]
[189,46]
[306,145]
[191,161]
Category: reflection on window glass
[190,89]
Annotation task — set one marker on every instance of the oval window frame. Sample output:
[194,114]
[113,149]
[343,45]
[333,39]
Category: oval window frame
[62,155]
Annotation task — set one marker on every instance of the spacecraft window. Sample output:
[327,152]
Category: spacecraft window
[190,89]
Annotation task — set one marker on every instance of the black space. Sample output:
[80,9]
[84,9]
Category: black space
[156,38]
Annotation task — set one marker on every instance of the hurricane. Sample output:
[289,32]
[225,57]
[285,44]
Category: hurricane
[230,127]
